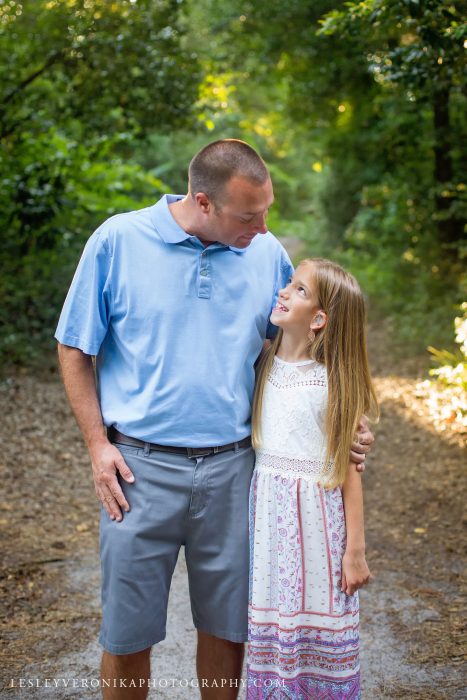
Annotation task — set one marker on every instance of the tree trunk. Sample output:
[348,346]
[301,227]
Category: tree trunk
[450,229]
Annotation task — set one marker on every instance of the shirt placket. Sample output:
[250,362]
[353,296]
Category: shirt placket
[204,276]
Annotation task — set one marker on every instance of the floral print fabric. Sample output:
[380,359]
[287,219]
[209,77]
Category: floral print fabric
[303,631]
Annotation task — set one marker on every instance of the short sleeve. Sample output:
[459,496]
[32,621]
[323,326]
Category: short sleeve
[85,316]
[285,272]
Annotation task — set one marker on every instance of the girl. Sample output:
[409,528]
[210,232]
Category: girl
[307,538]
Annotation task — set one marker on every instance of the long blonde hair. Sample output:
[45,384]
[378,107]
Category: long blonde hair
[341,347]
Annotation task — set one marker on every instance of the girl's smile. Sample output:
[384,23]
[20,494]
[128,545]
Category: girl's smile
[280,308]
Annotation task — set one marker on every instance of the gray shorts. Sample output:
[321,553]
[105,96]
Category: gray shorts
[200,503]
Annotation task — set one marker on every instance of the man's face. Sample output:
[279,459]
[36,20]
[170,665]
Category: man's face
[242,213]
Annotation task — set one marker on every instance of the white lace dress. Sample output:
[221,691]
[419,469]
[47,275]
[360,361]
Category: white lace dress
[303,631]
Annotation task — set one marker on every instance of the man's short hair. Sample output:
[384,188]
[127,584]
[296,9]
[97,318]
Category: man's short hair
[215,164]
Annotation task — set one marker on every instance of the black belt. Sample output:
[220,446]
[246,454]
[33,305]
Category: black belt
[115,436]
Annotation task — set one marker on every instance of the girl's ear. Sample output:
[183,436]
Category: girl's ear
[319,320]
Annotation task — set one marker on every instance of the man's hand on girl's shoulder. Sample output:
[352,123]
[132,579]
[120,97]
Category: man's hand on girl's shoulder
[362,445]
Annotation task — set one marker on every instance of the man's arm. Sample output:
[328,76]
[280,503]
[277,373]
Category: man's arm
[80,386]
[362,445]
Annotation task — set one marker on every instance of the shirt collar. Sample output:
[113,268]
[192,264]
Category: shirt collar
[163,221]
[167,227]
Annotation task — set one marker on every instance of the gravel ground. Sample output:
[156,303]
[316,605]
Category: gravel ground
[411,614]
[386,662]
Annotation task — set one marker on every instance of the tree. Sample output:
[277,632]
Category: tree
[80,80]
[372,102]
[417,46]
[109,65]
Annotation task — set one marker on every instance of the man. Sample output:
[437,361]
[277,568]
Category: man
[174,302]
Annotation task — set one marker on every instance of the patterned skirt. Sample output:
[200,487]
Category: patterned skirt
[303,630]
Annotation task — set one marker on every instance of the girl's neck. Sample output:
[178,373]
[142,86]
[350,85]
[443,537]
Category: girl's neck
[292,349]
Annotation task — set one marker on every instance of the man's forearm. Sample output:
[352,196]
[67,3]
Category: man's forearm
[80,386]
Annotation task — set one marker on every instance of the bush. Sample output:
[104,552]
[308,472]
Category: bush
[446,396]
[55,192]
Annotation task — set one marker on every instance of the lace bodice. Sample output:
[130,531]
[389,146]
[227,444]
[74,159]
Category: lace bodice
[293,416]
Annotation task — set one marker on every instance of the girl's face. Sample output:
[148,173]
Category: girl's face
[298,302]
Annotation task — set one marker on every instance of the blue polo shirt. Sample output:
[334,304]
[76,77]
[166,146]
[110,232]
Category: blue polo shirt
[176,327]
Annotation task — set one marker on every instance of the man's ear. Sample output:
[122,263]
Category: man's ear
[203,202]
[318,321]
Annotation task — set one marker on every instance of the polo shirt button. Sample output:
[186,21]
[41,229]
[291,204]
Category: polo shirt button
[204,273]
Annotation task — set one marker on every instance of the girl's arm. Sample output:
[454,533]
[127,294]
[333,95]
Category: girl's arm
[355,571]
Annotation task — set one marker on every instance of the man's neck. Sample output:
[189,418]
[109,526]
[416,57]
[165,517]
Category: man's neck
[184,214]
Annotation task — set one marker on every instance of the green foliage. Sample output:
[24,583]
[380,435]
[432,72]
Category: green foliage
[417,44]
[452,366]
[415,53]
[357,107]
[370,125]
[56,194]
[81,82]
[112,66]
[446,395]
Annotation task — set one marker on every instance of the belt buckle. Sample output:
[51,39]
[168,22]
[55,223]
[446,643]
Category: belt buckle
[199,451]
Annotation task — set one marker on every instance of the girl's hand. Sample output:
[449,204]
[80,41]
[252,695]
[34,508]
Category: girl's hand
[355,572]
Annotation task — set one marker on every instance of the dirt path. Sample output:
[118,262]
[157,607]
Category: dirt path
[411,614]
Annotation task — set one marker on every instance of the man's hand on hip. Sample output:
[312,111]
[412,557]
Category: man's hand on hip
[106,462]
[362,445]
